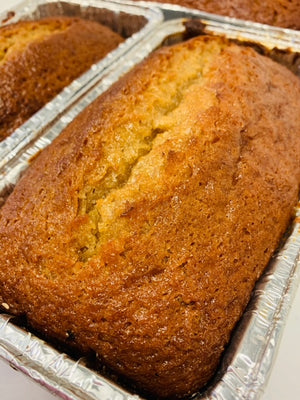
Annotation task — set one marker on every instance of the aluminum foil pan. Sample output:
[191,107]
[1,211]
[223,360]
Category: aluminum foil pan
[132,21]
[173,11]
[251,30]
[248,359]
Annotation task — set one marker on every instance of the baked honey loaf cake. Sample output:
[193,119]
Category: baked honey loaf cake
[139,233]
[281,13]
[39,58]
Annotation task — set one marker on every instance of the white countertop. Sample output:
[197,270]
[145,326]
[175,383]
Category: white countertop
[284,382]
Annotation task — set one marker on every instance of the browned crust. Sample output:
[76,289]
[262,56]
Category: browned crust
[33,75]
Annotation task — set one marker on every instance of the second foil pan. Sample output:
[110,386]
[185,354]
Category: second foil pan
[132,21]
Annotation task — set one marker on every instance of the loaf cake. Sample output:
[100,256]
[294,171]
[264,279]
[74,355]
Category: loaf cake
[39,58]
[281,13]
[139,233]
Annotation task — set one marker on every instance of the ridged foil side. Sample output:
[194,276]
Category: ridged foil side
[248,359]
[64,377]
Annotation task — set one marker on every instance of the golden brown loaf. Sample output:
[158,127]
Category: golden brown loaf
[39,58]
[282,13]
[140,232]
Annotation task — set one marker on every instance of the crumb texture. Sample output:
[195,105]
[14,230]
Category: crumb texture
[140,232]
[39,58]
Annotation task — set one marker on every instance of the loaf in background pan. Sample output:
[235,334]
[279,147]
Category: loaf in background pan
[139,233]
[39,58]
[282,13]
